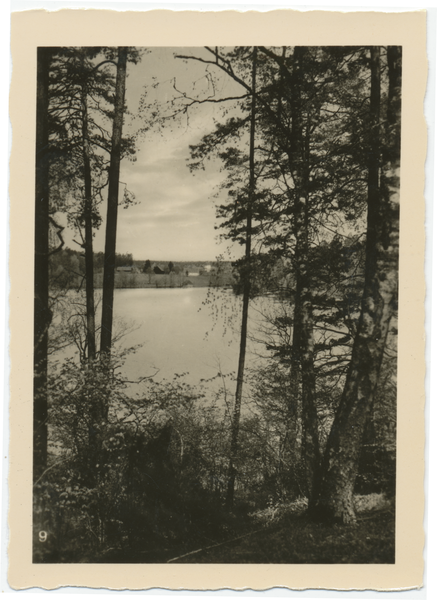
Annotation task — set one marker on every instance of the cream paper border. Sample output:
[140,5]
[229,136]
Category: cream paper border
[166,28]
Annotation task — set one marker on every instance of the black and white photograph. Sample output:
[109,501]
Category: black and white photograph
[216,310]
[193,405]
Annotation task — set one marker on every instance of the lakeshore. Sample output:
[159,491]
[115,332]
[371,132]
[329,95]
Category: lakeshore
[127,280]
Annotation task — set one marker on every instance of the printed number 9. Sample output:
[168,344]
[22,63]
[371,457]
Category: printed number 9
[42,536]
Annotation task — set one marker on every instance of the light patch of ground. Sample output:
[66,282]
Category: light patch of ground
[371,502]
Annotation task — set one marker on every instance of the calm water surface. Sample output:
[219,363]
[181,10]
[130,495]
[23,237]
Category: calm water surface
[178,333]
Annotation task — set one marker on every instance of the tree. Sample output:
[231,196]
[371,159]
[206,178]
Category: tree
[312,119]
[302,352]
[80,104]
[111,219]
[246,295]
[42,311]
[286,130]
[148,269]
[78,101]
[88,218]
[334,495]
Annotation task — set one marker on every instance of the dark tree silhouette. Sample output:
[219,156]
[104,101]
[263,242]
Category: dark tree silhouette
[334,499]
[111,219]
[246,295]
[43,315]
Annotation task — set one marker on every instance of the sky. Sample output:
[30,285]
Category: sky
[174,215]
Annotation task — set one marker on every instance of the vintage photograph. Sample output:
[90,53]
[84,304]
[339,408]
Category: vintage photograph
[216,304]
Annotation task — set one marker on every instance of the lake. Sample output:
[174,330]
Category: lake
[193,331]
[181,331]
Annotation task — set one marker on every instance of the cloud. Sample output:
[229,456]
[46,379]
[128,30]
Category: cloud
[174,216]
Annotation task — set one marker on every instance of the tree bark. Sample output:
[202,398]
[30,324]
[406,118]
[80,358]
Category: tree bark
[42,313]
[111,220]
[87,213]
[335,494]
[246,297]
[303,341]
[294,400]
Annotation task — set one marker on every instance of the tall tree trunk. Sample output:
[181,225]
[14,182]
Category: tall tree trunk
[335,494]
[111,220]
[303,349]
[87,212]
[310,422]
[303,341]
[294,404]
[95,410]
[235,428]
[42,313]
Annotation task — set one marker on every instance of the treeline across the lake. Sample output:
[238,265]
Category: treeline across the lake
[67,270]
[283,460]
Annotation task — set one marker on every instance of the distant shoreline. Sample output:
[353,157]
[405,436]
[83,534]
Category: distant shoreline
[136,280]
[167,280]
[166,287]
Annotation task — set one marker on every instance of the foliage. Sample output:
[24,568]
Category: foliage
[127,462]
[67,267]
[81,86]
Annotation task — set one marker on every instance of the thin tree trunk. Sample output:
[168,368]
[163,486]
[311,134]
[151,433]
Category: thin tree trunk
[294,404]
[311,447]
[111,221]
[335,494]
[309,409]
[235,428]
[303,334]
[303,350]
[88,210]
[42,315]
[95,410]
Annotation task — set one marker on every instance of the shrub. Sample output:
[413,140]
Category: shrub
[376,471]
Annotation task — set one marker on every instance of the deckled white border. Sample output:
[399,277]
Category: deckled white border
[430,117]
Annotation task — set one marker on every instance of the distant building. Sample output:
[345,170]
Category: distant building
[158,271]
[207,268]
[127,269]
[194,274]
